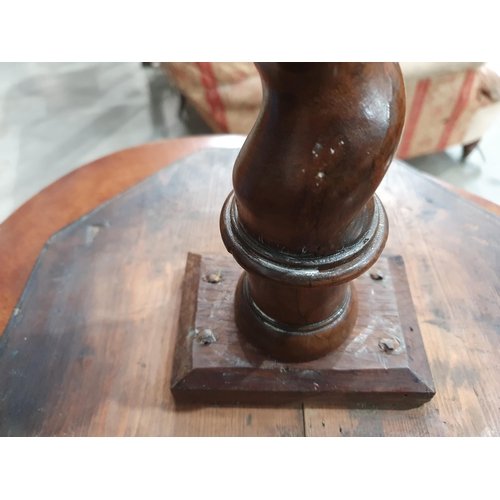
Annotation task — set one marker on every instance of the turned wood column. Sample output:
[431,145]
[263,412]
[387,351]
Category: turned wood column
[303,219]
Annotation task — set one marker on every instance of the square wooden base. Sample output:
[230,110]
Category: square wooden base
[382,363]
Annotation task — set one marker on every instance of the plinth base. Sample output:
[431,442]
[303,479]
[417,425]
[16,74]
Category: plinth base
[382,362]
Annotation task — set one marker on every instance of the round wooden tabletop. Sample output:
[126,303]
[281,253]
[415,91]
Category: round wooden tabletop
[450,251]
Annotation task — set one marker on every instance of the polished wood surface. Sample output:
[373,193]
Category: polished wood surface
[321,145]
[303,220]
[451,256]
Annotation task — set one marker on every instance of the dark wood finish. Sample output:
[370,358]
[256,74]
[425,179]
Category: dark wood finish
[303,220]
[451,257]
[468,148]
[100,312]
[382,362]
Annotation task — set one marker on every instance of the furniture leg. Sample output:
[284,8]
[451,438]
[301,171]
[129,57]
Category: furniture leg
[468,148]
[182,105]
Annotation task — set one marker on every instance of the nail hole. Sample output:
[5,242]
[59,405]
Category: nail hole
[206,337]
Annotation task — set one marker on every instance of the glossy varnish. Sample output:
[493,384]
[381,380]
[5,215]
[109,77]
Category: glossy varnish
[303,220]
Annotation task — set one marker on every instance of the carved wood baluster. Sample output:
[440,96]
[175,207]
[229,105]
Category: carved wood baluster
[303,219]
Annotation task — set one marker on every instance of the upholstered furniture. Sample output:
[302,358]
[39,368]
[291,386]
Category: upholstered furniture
[447,103]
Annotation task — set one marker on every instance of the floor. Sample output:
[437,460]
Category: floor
[479,174]
[55,117]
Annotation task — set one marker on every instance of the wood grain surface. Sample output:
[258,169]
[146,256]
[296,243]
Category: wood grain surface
[450,247]
[24,233]
[99,341]
[381,363]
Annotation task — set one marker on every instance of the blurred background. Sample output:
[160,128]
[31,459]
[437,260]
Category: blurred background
[56,117]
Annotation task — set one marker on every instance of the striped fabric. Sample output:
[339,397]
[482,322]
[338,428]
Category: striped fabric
[212,96]
[440,108]
[227,96]
[438,112]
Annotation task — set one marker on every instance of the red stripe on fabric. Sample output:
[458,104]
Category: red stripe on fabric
[212,96]
[461,104]
[414,115]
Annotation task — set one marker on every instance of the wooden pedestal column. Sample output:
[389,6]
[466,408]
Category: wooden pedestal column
[303,220]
